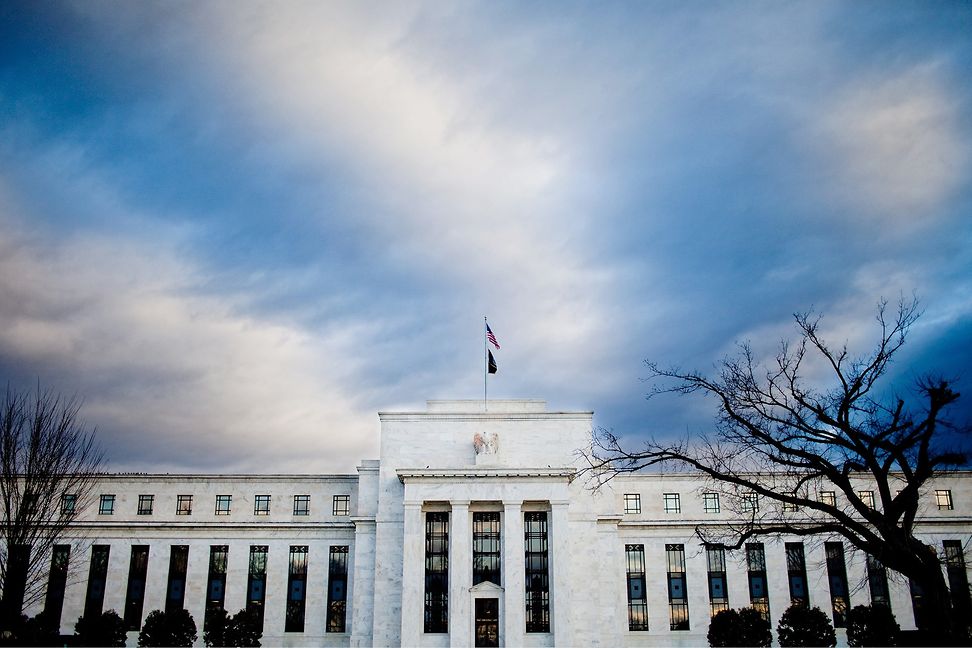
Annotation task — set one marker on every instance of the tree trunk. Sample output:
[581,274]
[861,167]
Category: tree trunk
[936,619]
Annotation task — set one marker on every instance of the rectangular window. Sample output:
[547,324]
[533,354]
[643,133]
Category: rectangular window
[710,503]
[145,503]
[97,575]
[296,589]
[256,581]
[632,503]
[18,567]
[436,571]
[341,505]
[673,503]
[750,503]
[183,504]
[261,505]
[223,503]
[790,508]
[837,575]
[758,591]
[918,603]
[486,547]
[107,505]
[175,593]
[867,498]
[216,582]
[877,581]
[944,500]
[677,587]
[637,594]
[301,504]
[337,589]
[135,595]
[56,584]
[828,497]
[537,584]
[796,568]
[69,502]
[718,588]
[958,580]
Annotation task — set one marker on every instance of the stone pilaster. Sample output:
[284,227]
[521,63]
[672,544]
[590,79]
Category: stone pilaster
[460,575]
[413,576]
[514,623]
[559,545]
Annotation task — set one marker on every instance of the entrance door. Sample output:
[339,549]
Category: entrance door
[487,622]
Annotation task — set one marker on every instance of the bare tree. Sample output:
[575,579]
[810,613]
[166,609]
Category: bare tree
[783,440]
[48,464]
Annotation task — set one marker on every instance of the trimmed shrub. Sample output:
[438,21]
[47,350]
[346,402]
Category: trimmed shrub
[174,628]
[241,630]
[105,629]
[744,627]
[872,625]
[801,625]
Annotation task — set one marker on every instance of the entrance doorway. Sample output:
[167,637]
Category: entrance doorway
[487,622]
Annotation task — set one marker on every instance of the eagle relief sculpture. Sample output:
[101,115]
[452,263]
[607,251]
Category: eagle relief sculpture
[486,443]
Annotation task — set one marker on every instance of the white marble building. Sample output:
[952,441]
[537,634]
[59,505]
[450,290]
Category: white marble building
[467,530]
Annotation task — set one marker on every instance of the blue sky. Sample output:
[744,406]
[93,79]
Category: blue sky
[238,230]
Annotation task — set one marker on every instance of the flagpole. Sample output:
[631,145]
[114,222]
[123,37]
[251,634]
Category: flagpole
[485,364]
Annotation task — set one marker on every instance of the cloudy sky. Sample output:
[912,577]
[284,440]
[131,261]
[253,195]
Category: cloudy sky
[239,230]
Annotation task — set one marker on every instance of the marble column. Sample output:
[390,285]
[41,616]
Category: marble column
[460,575]
[514,623]
[559,545]
[413,576]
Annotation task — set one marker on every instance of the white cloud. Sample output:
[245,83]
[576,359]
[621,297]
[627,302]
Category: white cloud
[172,377]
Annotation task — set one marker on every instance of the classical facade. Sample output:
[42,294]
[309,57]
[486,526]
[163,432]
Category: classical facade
[469,529]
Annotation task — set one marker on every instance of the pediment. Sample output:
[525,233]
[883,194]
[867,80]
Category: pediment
[487,587]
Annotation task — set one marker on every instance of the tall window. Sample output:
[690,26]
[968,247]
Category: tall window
[175,595]
[56,584]
[758,592]
[97,575]
[183,504]
[877,581]
[632,503]
[637,596]
[223,503]
[301,504]
[216,583]
[145,503]
[677,588]
[341,505]
[837,574]
[537,582]
[437,571]
[828,497]
[106,506]
[673,503]
[710,502]
[918,603]
[69,502]
[867,498]
[135,596]
[296,589]
[337,589]
[958,580]
[18,566]
[256,581]
[718,590]
[261,505]
[750,503]
[943,498]
[796,568]
[486,547]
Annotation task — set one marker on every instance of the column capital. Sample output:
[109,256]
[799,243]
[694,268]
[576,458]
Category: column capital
[412,505]
[514,505]
[459,503]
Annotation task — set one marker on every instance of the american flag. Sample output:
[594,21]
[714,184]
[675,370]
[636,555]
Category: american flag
[491,338]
